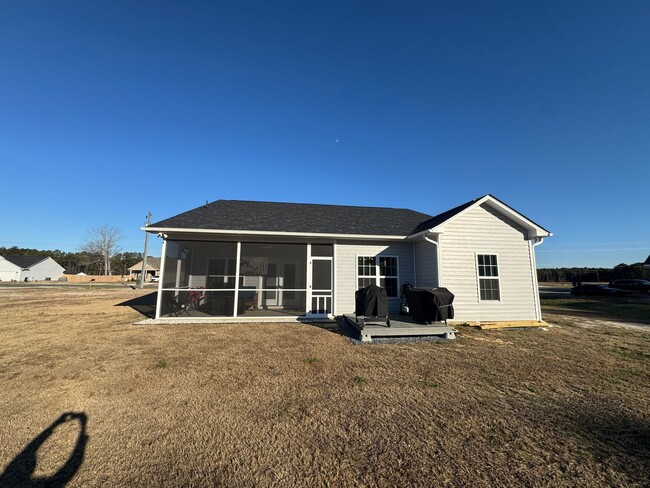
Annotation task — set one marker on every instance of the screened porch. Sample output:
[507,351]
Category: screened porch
[245,280]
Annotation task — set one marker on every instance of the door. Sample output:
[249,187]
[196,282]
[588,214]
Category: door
[321,286]
[280,283]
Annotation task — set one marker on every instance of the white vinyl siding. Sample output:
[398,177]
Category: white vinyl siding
[48,269]
[346,265]
[426,264]
[482,230]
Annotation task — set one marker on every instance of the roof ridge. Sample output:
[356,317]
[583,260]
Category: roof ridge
[315,204]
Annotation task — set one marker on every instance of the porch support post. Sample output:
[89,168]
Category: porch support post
[334,285]
[162,278]
[238,260]
[309,287]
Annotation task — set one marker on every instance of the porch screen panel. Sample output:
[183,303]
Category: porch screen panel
[199,279]
[273,278]
[178,259]
[325,250]
[322,275]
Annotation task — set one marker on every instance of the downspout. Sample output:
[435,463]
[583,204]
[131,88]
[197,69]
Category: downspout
[438,263]
[538,308]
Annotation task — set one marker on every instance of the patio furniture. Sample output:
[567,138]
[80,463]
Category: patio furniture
[175,305]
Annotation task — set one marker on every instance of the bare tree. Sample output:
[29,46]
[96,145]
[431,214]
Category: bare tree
[102,242]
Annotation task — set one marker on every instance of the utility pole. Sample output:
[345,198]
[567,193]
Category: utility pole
[144,256]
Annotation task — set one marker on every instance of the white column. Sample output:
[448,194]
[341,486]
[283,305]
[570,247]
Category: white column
[162,278]
[236,300]
[309,285]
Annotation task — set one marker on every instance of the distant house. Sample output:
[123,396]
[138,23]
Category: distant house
[647,263]
[273,261]
[29,268]
[153,269]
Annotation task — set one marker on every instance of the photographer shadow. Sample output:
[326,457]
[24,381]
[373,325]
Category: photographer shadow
[20,471]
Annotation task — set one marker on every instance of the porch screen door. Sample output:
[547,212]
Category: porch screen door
[321,280]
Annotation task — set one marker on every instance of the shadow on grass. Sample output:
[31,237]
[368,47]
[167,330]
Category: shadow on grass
[617,439]
[20,471]
[340,327]
[146,304]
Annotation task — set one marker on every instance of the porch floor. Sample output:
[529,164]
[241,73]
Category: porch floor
[247,314]
[403,326]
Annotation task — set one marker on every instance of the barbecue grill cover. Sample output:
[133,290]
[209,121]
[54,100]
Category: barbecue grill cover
[430,304]
[371,301]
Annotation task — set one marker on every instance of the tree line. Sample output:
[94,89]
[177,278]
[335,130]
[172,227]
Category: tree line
[618,272]
[100,254]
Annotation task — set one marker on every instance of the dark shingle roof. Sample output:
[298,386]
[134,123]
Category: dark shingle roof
[233,215]
[25,261]
[444,216]
[647,261]
[297,217]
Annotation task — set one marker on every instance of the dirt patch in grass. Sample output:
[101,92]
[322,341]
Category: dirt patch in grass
[621,311]
[297,405]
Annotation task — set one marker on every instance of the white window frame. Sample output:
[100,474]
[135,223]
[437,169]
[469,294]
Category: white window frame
[479,277]
[377,275]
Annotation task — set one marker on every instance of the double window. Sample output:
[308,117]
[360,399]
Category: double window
[378,270]
[488,277]
[221,273]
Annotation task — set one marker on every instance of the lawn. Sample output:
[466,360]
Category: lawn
[299,405]
[634,309]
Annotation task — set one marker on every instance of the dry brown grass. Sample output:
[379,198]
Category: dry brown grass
[244,405]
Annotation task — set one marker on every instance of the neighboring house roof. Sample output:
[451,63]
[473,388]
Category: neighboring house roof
[25,261]
[297,217]
[300,218]
[647,262]
[152,263]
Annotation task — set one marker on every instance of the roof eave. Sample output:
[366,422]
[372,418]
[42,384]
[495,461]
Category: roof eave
[237,232]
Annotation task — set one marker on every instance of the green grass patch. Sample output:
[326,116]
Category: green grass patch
[360,380]
[311,360]
[162,364]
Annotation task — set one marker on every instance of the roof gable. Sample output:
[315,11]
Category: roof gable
[436,224]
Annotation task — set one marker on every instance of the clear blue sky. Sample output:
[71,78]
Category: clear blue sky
[111,109]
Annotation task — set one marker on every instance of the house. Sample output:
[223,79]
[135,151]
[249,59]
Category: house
[646,265]
[246,260]
[153,269]
[29,268]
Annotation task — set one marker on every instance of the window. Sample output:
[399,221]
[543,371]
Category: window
[378,270]
[488,277]
[221,273]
